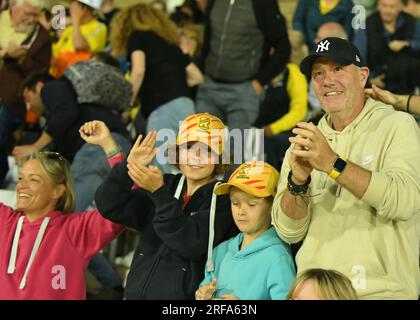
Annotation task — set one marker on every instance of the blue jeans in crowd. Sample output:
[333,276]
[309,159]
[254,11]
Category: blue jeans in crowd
[236,104]
[89,169]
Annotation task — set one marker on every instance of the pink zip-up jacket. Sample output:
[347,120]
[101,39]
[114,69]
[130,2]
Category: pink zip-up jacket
[58,269]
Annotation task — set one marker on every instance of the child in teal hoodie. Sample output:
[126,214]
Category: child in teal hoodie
[256,264]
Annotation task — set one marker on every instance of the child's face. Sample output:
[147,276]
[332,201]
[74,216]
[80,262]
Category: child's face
[252,215]
[197,161]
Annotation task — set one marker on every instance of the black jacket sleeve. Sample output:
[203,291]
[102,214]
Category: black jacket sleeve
[61,106]
[119,203]
[188,233]
[273,25]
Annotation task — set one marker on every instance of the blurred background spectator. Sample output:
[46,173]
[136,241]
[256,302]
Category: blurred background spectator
[191,11]
[310,14]
[161,73]
[285,104]
[239,37]
[391,46]
[108,10]
[369,5]
[25,47]
[85,36]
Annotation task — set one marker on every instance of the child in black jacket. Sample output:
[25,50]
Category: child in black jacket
[173,212]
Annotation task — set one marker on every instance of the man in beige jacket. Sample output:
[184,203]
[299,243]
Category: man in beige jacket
[350,187]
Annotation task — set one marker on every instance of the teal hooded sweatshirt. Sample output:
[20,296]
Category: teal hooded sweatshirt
[264,270]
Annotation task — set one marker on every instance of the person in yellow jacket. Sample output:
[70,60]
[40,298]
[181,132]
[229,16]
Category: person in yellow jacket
[350,186]
[85,36]
[285,103]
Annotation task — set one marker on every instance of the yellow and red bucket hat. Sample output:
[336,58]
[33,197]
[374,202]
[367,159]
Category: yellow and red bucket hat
[205,128]
[257,178]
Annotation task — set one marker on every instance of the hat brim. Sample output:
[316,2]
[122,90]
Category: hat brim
[224,188]
[306,64]
[90,5]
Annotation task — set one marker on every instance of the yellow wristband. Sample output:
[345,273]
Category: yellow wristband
[334,174]
[338,167]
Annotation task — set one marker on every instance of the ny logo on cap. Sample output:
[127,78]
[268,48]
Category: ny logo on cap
[323,45]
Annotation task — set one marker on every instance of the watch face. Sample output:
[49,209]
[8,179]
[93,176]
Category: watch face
[339,165]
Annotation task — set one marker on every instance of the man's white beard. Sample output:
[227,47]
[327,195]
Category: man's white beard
[25,28]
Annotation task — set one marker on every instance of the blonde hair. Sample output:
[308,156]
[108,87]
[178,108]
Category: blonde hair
[140,17]
[58,170]
[329,285]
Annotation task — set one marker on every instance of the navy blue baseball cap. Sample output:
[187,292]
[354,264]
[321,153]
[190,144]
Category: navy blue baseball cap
[338,50]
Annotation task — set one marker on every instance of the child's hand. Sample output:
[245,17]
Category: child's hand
[143,151]
[206,292]
[148,178]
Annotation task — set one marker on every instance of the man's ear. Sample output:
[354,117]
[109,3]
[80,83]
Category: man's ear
[364,76]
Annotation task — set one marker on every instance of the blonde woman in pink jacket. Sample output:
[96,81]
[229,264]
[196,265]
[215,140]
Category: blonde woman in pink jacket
[45,247]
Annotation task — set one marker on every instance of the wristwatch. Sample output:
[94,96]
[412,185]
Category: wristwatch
[338,167]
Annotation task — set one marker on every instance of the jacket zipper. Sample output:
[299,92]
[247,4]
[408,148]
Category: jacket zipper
[224,30]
